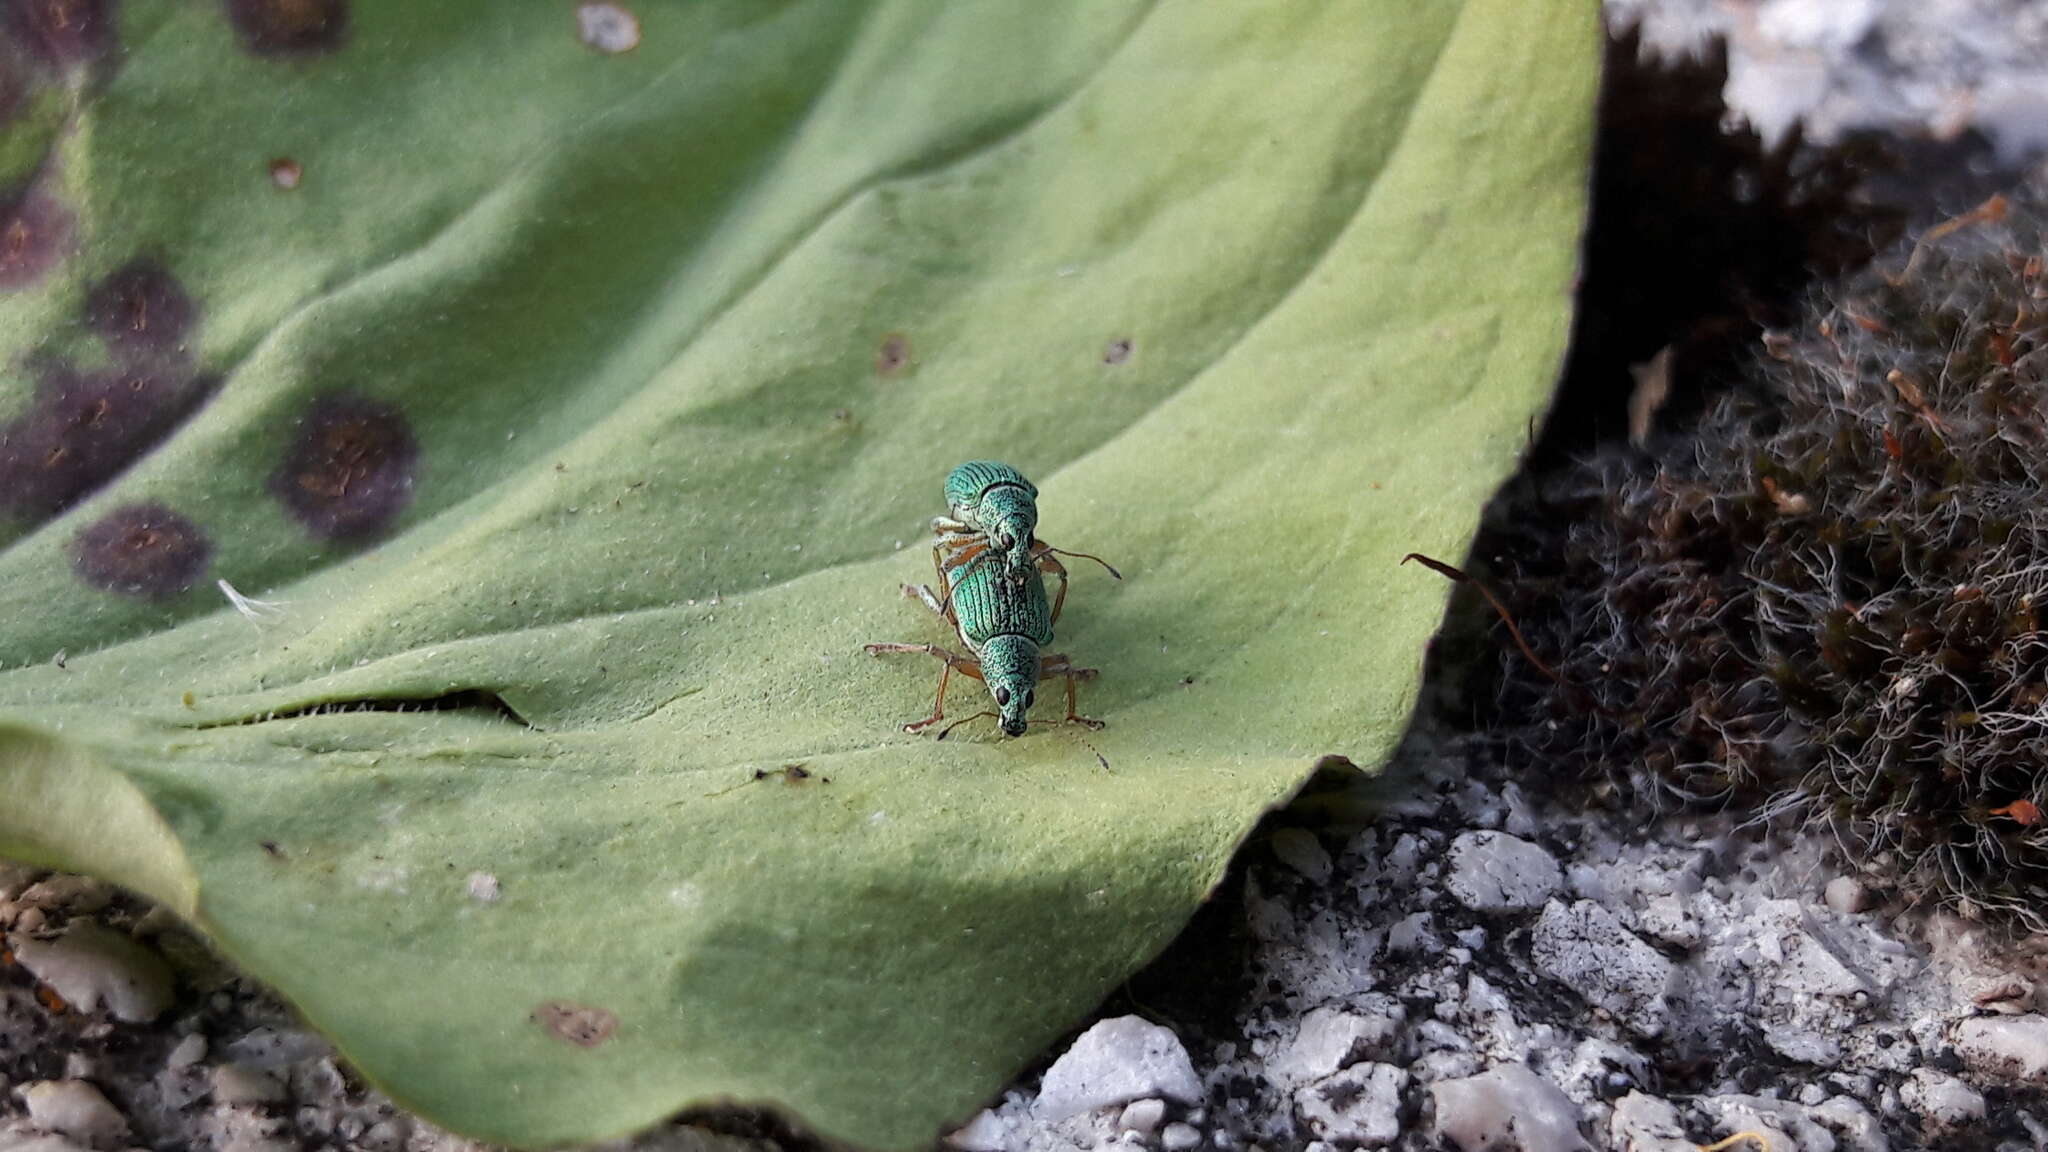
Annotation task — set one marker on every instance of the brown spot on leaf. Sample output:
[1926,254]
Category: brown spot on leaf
[579,1024]
[35,233]
[140,309]
[142,550]
[61,33]
[894,354]
[351,470]
[290,27]
[81,430]
[285,173]
[1117,351]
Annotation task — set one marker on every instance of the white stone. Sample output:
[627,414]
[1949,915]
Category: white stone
[1332,1038]
[1142,1116]
[1666,917]
[1846,894]
[80,895]
[9,1142]
[91,967]
[1360,1105]
[1584,947]
[76,1109]
[1853,1125]
[187,1052]
[1180,1137]
[985,1133]
[1785,1124]
[1114,1062]
[239,1083]
[1643,1123]
[1301,851]
[1496,872]
[1506,1109]
[1942,1102]
[2008,1047]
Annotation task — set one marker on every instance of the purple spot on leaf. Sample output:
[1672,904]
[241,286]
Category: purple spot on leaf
[140,309]
[289,27]
[62,33]
[35,233]
[145,551]
[351,469]
[82,429]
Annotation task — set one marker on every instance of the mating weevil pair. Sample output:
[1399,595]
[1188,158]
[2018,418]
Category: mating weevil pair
[992,569]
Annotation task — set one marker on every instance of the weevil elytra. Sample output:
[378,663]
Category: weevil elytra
[998,610]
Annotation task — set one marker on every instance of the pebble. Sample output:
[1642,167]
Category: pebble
[187,1052]
[1585,947]
[1116,1061]
[80,895]
[1332,1038]
[1180,1137]
[92,967]
[1142,1116]
[1847,895]
[1360,1105]
[1506,1109]
[1642,1123]
[238,1083]
[76,1109]
[1495,872]
[2013,1048]
[1943,1103]
[985,1133]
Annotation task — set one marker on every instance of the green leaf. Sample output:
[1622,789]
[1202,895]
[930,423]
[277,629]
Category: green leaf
[584,412]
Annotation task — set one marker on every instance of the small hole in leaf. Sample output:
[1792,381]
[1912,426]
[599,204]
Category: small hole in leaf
[285,172]
[351,469]
[289,27]
[61,32]
[1117,351]
[579,1024]
[145,551]
[893,355]
[609,28]
[35,232]
[140,308]
[82,429]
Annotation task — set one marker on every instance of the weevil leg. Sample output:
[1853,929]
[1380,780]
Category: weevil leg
[1041,555]
[930,598]
[950,662]
[1057,664]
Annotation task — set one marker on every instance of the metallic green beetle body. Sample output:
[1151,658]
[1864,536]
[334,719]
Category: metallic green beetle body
[999,610]
[995,499]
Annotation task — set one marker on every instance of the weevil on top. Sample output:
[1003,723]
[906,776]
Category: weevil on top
[992,567]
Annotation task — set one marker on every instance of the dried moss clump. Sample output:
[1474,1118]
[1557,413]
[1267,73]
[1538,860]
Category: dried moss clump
[1828,598]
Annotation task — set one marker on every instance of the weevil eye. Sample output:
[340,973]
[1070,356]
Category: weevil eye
[1002,695]
[1029,697]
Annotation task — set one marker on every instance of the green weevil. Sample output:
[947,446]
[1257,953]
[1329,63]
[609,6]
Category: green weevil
[1003,618]
[995,512]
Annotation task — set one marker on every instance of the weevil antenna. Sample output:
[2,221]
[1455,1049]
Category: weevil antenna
[1085,556]
[943,732]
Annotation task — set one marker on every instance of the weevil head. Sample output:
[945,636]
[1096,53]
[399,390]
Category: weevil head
[1009,515]
[1010,665]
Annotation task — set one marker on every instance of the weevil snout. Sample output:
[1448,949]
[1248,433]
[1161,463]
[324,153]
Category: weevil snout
[1010,665]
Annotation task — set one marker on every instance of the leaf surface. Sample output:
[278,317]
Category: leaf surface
[579,415]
